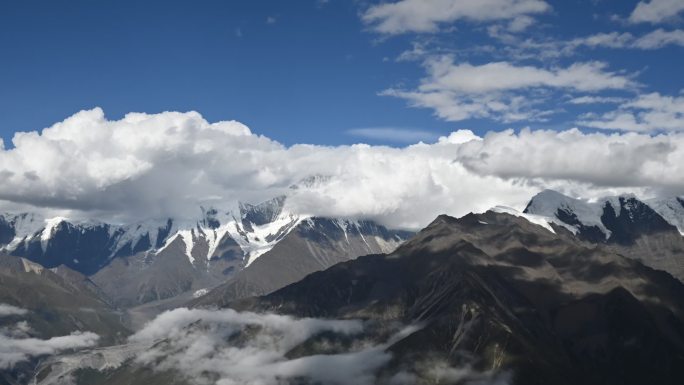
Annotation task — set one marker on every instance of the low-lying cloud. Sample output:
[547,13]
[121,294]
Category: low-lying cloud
[16,346]
[169,164]
[228,347]
[225,347]
[7,310]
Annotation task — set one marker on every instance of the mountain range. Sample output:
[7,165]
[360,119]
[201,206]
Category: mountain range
[567,291]
[161,264]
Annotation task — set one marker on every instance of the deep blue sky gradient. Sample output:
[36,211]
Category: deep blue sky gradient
[309,77]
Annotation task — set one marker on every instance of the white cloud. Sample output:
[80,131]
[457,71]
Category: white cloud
[515,47]
[227,347]
[199,344]
[660,38]
[426,15]
[462,91]
[168,164]
[632,161]
[16,346]
[652,40]
[395,135]
[15,350]
[656,11]
[444,74]
[645,113]
[156,166]
[596,100]
[7,310]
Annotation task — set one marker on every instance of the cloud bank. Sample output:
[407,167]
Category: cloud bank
[227,347]
[169,164]
[16,346]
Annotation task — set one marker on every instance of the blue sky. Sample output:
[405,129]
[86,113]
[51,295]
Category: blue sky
[318,72]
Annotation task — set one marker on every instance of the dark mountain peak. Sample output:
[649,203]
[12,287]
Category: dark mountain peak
[632,219]
[441,220]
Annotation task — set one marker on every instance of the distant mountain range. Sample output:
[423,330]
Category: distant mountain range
[158,260]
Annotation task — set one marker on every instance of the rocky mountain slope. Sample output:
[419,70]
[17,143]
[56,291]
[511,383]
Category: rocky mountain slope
[495,292]
[48,304]
[316,244]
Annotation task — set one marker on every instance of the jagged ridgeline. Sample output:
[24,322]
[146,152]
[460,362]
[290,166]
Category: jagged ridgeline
[157,260]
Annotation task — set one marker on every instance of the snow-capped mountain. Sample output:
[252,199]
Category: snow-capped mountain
[154,260]
[649,230]
[88,246]
[609,218]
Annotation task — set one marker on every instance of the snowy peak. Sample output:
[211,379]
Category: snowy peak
[247,232]
[671,209]
[616,219]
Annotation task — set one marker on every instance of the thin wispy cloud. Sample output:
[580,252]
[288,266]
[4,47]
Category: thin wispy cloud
[428,15]
[503,91]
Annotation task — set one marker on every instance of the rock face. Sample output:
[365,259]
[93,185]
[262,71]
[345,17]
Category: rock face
[646,231]
[495,292]
[315,244]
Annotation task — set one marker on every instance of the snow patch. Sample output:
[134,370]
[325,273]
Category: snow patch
[50,225]
[671,209]
[187,237]
[548,202]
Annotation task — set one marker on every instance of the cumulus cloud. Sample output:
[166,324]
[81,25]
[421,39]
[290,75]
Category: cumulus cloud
[656,11]
[7,310]
[645,113]
[627,160]
[426,15]
[493,90]
[229,347]
[169,164]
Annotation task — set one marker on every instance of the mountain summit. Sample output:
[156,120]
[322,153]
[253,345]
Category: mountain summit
[649,231]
